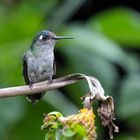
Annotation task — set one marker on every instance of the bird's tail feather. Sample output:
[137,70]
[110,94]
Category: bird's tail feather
[35,97]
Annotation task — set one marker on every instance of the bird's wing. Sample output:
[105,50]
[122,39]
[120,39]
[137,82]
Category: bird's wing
[54,67]
[25,70]
[31,98]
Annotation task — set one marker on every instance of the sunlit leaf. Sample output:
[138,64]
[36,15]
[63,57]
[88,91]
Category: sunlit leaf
[80,131]
[59,135]
[121,24]
[11,73]
[68,132]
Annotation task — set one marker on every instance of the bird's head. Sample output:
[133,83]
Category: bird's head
[46,38]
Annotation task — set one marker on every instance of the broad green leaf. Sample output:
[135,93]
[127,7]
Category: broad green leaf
[11,62]
[130,95]
[23,20]
[12,110]
[60,102]
[96,43]
[121,24]
[133,65]
[126,137]
[91,65]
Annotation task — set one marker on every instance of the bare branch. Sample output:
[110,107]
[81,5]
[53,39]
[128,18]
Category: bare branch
[40,87]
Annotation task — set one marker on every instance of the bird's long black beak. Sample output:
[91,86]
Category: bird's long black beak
[62,37]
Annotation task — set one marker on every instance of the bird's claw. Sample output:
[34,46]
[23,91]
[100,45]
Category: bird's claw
[30,85]
[49,81]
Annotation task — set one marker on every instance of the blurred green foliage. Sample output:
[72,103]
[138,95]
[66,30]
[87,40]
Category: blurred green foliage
[99,49]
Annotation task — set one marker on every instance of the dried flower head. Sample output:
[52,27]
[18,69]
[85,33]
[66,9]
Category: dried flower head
[81,126]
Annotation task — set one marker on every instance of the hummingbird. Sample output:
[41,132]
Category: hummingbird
[39,61]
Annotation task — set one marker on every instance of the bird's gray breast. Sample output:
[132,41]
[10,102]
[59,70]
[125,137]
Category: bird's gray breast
[40,67]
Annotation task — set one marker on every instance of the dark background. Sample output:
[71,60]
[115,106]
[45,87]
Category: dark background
[92,7]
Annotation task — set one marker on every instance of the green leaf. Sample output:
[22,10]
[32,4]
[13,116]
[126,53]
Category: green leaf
[130,95]
[11,52]
[68,132]
[50,135]
[77,132]
[62,103]
[96,43]
[121,24]
[59,135]
[12,111]
[94,66]
[81,132]
[126,137]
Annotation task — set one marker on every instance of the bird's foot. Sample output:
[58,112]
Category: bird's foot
[30,85]
[49,81]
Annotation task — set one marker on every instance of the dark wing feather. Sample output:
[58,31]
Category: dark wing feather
[31,98]
[54,67]
[25,70]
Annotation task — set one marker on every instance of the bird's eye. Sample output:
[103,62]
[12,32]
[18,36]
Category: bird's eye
[44,37]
